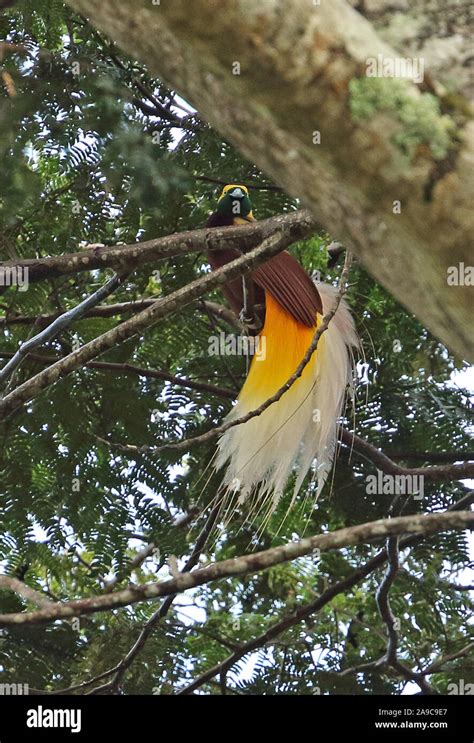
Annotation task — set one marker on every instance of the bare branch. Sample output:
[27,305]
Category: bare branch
[385,464]
[22,589]
[362,533]
[297,225]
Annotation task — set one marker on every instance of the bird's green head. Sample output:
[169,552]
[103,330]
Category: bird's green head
[234,201]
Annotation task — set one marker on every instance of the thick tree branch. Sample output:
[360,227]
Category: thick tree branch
[298,225]
[22,589]
[443,38]
[252,563]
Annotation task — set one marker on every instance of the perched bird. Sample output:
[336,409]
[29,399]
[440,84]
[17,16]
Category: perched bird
[301,428]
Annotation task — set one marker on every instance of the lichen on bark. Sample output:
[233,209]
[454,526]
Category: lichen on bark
[420,117]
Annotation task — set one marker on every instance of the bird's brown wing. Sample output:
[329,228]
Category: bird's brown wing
[284,278]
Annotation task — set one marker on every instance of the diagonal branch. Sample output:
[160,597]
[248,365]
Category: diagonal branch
[60,324]
[252,563]
[167,306]
[385,464]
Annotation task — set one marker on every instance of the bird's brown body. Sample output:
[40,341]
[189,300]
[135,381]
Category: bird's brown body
[282,276]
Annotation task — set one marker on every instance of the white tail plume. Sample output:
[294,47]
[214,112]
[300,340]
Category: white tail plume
[301,427]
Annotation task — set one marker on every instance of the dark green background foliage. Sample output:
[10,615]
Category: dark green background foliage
[80,164]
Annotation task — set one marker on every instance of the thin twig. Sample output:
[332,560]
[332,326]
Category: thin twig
[60,324]
[139,371]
